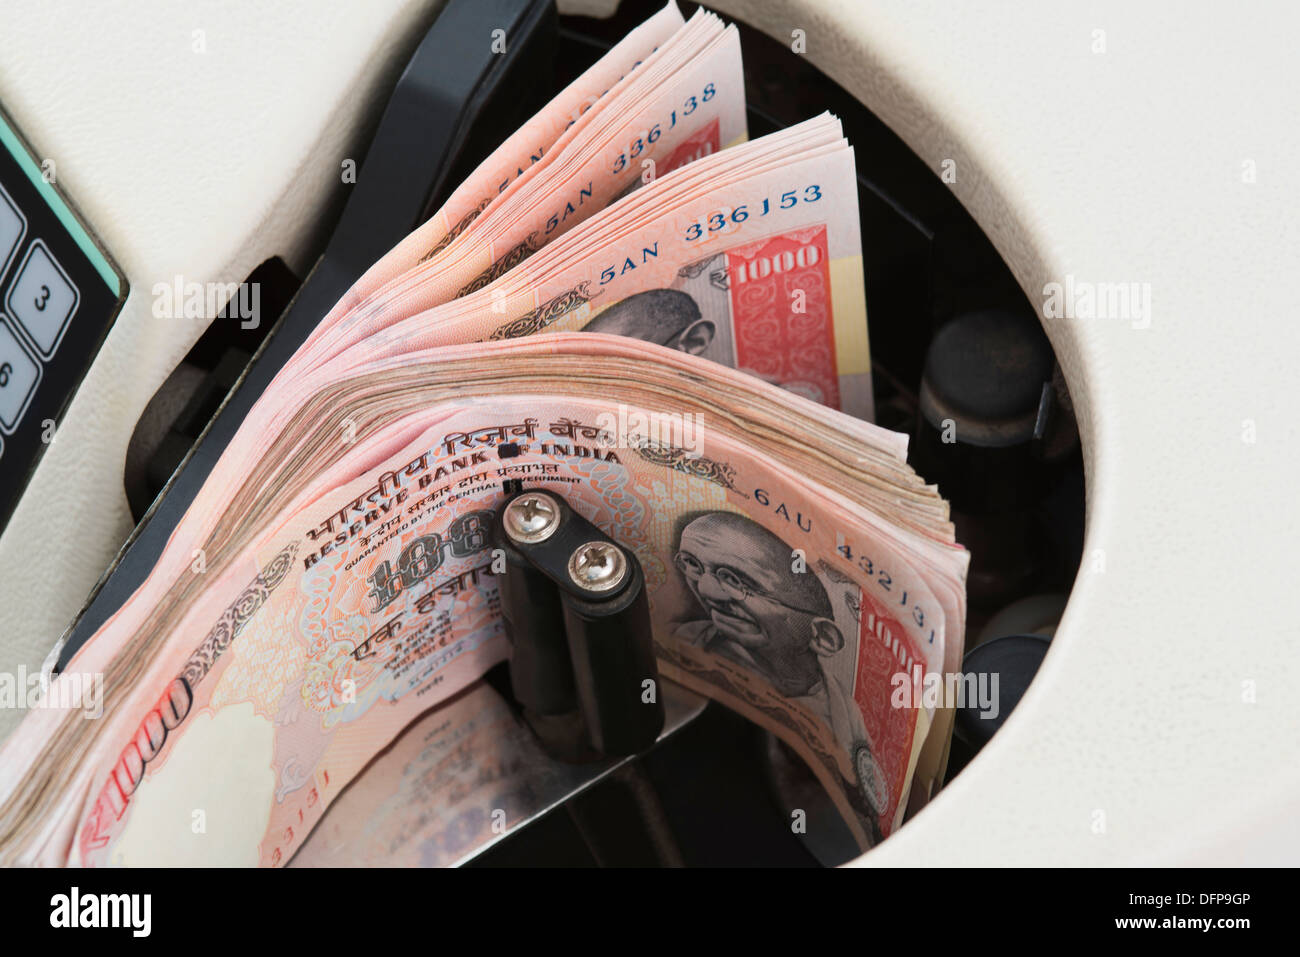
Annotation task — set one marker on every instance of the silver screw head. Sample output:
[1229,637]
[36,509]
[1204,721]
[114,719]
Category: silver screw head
[533,517]
[597,566]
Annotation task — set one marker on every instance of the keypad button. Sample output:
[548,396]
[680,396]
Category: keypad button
[12,226]
[19,373]
[42,298]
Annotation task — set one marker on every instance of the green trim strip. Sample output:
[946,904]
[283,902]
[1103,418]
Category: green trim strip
[65,215]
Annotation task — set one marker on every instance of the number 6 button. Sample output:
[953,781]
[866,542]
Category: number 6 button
[42,299]
[19,374]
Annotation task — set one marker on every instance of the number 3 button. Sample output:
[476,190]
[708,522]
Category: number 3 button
[42,299]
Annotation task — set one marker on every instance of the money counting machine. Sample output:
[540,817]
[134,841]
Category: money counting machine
[280,149]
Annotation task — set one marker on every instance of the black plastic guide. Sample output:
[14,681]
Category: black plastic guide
[575,609]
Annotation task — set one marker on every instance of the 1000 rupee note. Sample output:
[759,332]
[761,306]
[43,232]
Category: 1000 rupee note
[528,145]
[761,272]
[684,100]
[373,605]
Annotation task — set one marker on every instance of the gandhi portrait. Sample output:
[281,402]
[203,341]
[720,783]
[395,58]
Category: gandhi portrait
[759,611]
[666,317]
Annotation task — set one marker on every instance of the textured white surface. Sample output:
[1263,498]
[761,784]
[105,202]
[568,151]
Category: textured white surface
[1127,166]
[195,164]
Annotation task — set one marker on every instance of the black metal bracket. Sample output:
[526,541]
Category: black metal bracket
[575,609]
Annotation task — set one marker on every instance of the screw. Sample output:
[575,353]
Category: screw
[598,566]
[532,518]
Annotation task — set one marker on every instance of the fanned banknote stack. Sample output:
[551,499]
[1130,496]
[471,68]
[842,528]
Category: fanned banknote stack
[627,304]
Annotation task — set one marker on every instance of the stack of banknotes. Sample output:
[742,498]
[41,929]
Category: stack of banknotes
[629,304]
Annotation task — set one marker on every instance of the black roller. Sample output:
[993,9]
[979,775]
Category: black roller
[1015,660]
[985,397]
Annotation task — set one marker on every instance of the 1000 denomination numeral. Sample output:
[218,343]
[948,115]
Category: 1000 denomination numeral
[423,556]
